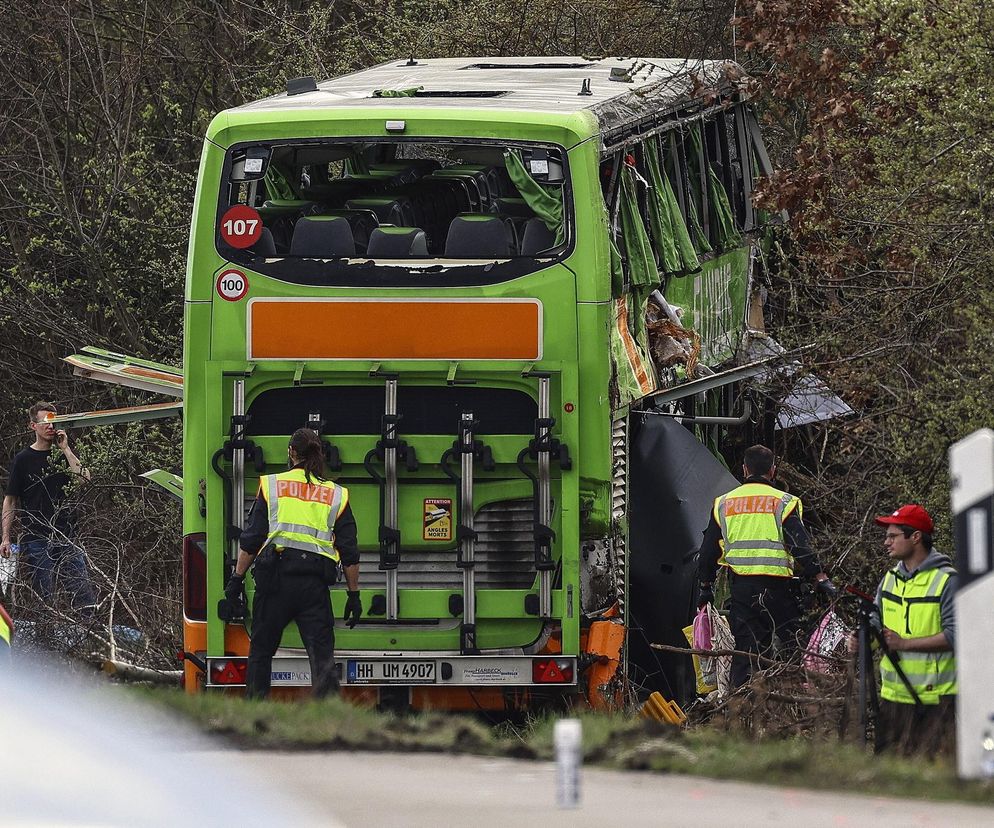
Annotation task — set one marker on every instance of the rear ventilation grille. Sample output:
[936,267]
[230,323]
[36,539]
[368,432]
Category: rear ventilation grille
[504,553]
[619,508]
[445,93]
[528,66]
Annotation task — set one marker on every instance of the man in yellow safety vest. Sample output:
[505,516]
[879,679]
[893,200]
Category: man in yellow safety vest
[299,530]
[916,604]
[756,531]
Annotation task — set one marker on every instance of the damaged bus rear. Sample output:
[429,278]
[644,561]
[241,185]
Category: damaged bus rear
[475,279]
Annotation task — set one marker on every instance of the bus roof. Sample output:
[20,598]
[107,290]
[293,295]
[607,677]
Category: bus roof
[616,90]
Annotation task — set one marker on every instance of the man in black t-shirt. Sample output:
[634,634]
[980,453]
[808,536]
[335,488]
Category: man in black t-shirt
[36,494]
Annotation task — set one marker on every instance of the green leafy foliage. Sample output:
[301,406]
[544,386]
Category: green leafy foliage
[881,114]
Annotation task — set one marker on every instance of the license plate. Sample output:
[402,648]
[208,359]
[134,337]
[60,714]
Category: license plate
[374,671]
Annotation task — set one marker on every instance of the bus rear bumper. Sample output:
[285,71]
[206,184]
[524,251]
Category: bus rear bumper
[426,670]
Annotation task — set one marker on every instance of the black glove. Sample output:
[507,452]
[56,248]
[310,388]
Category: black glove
[232,606]
[353,608]
[705,596]
[827,588]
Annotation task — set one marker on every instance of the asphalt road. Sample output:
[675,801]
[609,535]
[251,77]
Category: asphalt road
[432,790]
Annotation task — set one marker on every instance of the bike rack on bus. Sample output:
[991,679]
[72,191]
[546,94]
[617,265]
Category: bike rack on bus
[332,456]
[543,448]
[235,450]
[468,450]
[388,450]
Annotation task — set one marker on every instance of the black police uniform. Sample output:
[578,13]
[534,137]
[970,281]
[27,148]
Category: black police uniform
[292,585]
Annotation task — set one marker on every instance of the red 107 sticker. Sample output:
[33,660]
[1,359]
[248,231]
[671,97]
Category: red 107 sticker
[241,226]
[232,285]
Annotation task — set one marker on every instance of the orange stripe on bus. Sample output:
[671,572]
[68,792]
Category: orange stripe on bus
[638,366]
[330,329]
[146,372]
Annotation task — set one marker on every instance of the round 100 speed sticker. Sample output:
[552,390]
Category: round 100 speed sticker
[232,285]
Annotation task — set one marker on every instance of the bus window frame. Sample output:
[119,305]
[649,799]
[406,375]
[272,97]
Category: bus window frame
[745,150]
[431,272]
[734,115]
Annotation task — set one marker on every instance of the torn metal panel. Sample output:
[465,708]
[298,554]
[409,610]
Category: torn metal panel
[117,369]
[171,484]
[699,386]
[127,359]
[113,416]
[803,398]
[674,480]
[810,401]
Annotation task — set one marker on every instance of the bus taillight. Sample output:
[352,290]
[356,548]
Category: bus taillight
[195,577]
[230,671]
[552,671]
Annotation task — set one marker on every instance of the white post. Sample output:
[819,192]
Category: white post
[971,471]
[567,736]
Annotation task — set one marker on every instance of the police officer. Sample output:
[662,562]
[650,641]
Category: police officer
[756,530]
[304,526]
[916,602]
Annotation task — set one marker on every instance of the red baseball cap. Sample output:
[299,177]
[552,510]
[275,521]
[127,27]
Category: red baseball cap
[911,514]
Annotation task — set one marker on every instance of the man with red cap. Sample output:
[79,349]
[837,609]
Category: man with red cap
[916,600]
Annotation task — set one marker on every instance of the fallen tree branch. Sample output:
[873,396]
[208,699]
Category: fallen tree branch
[781,697]
[132,672]
[717,653]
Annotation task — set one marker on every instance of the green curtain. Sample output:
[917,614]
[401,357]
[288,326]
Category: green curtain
[669,231]
[356,163]
[725,233]
[762,217]
[711,436]
[277,187]
[689,177]
[643,275]
[545,202]
[634,371]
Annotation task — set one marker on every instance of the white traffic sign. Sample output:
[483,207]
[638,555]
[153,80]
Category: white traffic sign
[232,285]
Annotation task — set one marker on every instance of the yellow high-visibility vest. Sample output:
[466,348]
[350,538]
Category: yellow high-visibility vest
[751,519]
[5,627]
[912,608]
[302,514]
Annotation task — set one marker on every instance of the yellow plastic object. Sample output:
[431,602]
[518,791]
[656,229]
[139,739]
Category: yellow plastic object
[662,710]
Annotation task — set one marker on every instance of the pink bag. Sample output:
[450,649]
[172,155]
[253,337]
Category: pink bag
[826,641]
[702,630]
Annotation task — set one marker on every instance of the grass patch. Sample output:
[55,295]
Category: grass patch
[330,724]
[614,741]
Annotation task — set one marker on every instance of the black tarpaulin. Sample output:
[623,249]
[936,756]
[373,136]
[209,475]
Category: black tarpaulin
[673,481]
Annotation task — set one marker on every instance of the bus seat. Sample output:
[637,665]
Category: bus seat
[469,182]
[537,237]
[479,236]
[406,171]
[480,176]
[435,202]
[511,207]
[336,192]
[389,209]
[266,246]
[397,243]
[362,222]
[322,237]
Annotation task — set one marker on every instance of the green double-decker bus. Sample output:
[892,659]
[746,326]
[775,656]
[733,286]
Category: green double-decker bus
[470,277]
